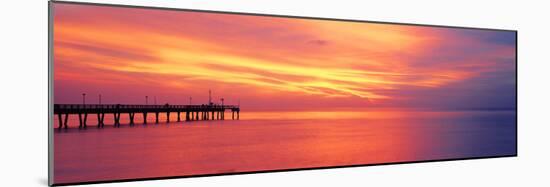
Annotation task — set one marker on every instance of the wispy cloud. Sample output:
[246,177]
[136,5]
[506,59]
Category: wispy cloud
[262,60]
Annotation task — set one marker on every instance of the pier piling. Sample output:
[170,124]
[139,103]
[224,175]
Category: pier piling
[156,117]
[131,115]
[66,120]
[145,118]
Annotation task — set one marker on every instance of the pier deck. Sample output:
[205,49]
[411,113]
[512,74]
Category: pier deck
[192,112]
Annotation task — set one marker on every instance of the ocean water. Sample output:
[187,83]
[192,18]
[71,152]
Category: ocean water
[275,140]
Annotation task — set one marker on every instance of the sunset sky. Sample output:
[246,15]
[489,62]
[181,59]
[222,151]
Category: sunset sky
[275,63]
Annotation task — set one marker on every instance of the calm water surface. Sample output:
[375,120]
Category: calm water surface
[276,140]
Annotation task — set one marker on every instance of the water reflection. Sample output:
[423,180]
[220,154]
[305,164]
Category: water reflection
[277,140]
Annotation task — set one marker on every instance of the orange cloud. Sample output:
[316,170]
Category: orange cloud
[265,55]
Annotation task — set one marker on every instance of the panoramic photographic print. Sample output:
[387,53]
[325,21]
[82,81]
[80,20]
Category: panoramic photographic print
[145,93]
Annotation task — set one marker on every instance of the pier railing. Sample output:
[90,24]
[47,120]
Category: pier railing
[94,108]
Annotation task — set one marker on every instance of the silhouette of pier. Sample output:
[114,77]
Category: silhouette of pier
[190,112]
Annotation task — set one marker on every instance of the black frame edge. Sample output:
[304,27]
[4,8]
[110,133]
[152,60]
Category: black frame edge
[50,95]
[278,170]
[276,15]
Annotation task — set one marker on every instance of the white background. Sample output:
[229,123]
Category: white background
[23,89]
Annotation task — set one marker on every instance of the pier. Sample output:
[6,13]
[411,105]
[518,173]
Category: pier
[184,113]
